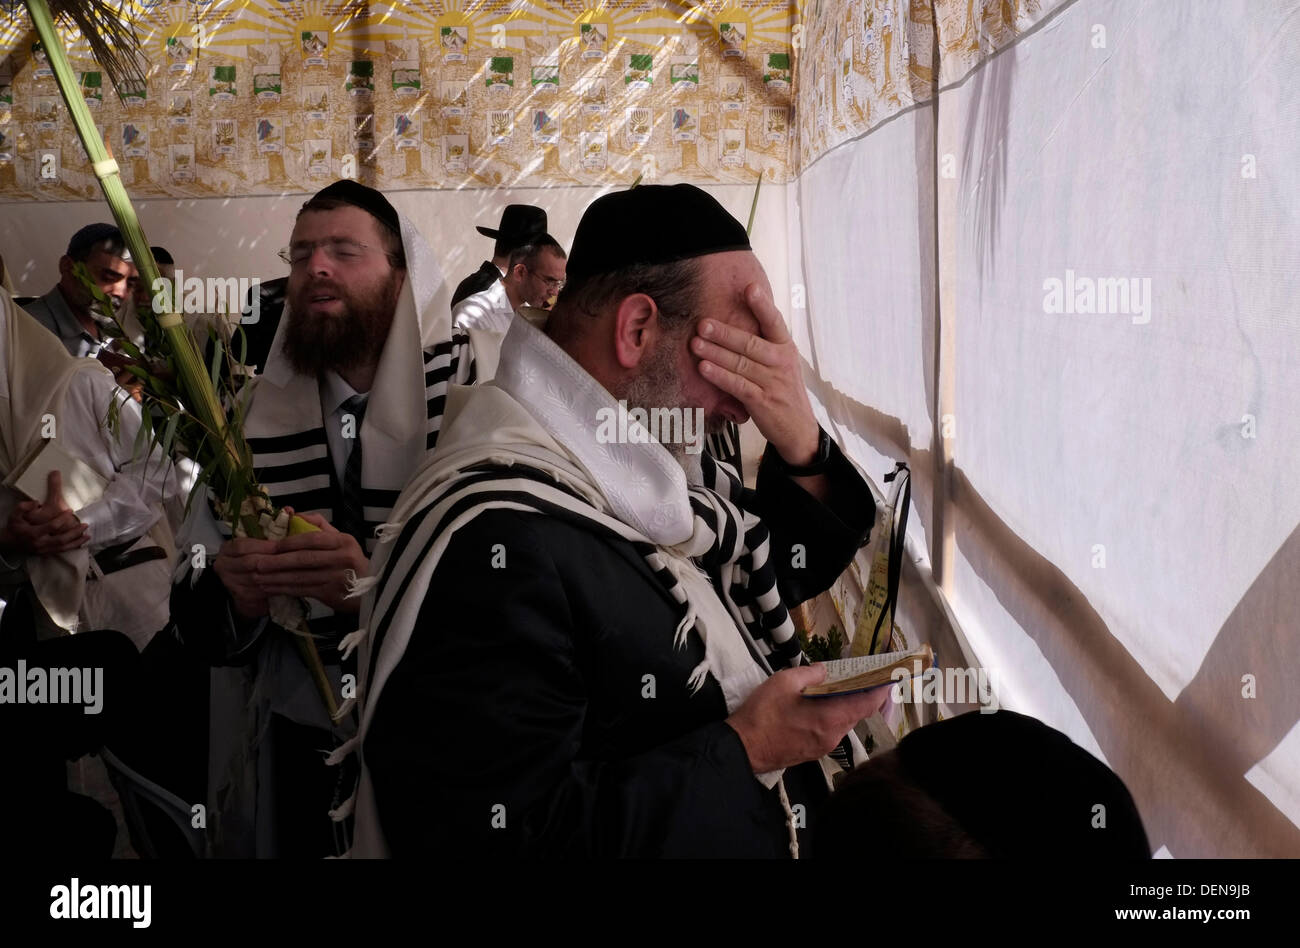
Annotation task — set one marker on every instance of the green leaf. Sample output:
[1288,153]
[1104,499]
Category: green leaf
[819,649]
[200,488]
[235,502]
[169,434]
[214,370]
[113,417]
[243,344]
[99,298]
[143,435]
[130,348]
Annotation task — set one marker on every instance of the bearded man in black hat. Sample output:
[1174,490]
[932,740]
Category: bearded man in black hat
[348,407]
[580,642]
[521,224]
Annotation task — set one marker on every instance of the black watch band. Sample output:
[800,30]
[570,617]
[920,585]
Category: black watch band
[818,465]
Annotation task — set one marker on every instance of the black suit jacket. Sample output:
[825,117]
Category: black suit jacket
[552,687]
[476,282]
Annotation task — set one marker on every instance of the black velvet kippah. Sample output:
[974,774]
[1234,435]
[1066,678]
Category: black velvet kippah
[1023,789]
[368,199]
[651,224]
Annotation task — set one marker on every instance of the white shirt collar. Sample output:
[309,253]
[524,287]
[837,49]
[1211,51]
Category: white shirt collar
[500,298]
[334,391]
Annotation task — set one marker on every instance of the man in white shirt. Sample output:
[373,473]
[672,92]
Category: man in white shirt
[520,224]
[102,570]
[534,276]
[45,393]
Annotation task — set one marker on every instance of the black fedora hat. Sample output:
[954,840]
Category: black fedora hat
[519,224]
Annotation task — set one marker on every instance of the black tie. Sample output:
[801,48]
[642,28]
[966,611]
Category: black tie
[351,517]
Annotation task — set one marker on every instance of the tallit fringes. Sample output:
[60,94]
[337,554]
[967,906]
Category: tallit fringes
[507,461]
[358,585]
[698,677]
[344,710]
[340,753]
[350,641]
[789,817]
[342,812]
[387,532]
[857,753]
[684,627]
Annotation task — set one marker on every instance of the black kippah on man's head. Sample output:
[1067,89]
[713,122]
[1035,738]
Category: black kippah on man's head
[1023,789]
[358,195]
[999,785]
[651,224]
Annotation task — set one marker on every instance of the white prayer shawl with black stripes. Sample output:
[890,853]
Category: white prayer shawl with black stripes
[285,429]
[534,426]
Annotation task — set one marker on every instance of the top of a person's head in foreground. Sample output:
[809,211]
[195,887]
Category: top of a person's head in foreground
[999,785]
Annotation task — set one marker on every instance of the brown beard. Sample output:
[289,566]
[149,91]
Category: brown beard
[355,337]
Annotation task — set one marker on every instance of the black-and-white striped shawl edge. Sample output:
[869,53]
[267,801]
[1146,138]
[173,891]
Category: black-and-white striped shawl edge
[295,468]
[405,567]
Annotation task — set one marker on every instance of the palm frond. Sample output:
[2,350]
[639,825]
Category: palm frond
[753,206]
[109,33]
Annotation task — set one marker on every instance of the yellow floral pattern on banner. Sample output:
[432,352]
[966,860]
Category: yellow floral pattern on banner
[269,97]
[282,96]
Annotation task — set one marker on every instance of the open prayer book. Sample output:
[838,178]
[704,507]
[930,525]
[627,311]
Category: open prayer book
[82,484]
[863,672]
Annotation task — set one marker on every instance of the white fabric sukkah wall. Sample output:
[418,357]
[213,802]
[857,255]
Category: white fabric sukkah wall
[1106,499]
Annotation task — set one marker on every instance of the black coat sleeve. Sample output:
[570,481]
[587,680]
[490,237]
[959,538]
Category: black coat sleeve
[477,742]
[204,618]
[812,542]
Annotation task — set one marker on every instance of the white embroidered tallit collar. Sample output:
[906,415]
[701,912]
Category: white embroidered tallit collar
[643,483]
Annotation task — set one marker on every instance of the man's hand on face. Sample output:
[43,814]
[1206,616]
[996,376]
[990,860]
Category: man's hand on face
[41,529]
[313,565]
[780,727]
[762,372]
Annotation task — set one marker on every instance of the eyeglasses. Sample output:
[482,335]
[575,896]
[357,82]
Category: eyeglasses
[551,282]
[338,249]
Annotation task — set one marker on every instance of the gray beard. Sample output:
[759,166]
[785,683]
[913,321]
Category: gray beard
[658,386]
[692,465]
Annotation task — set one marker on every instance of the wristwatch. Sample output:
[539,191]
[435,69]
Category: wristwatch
[819,461]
